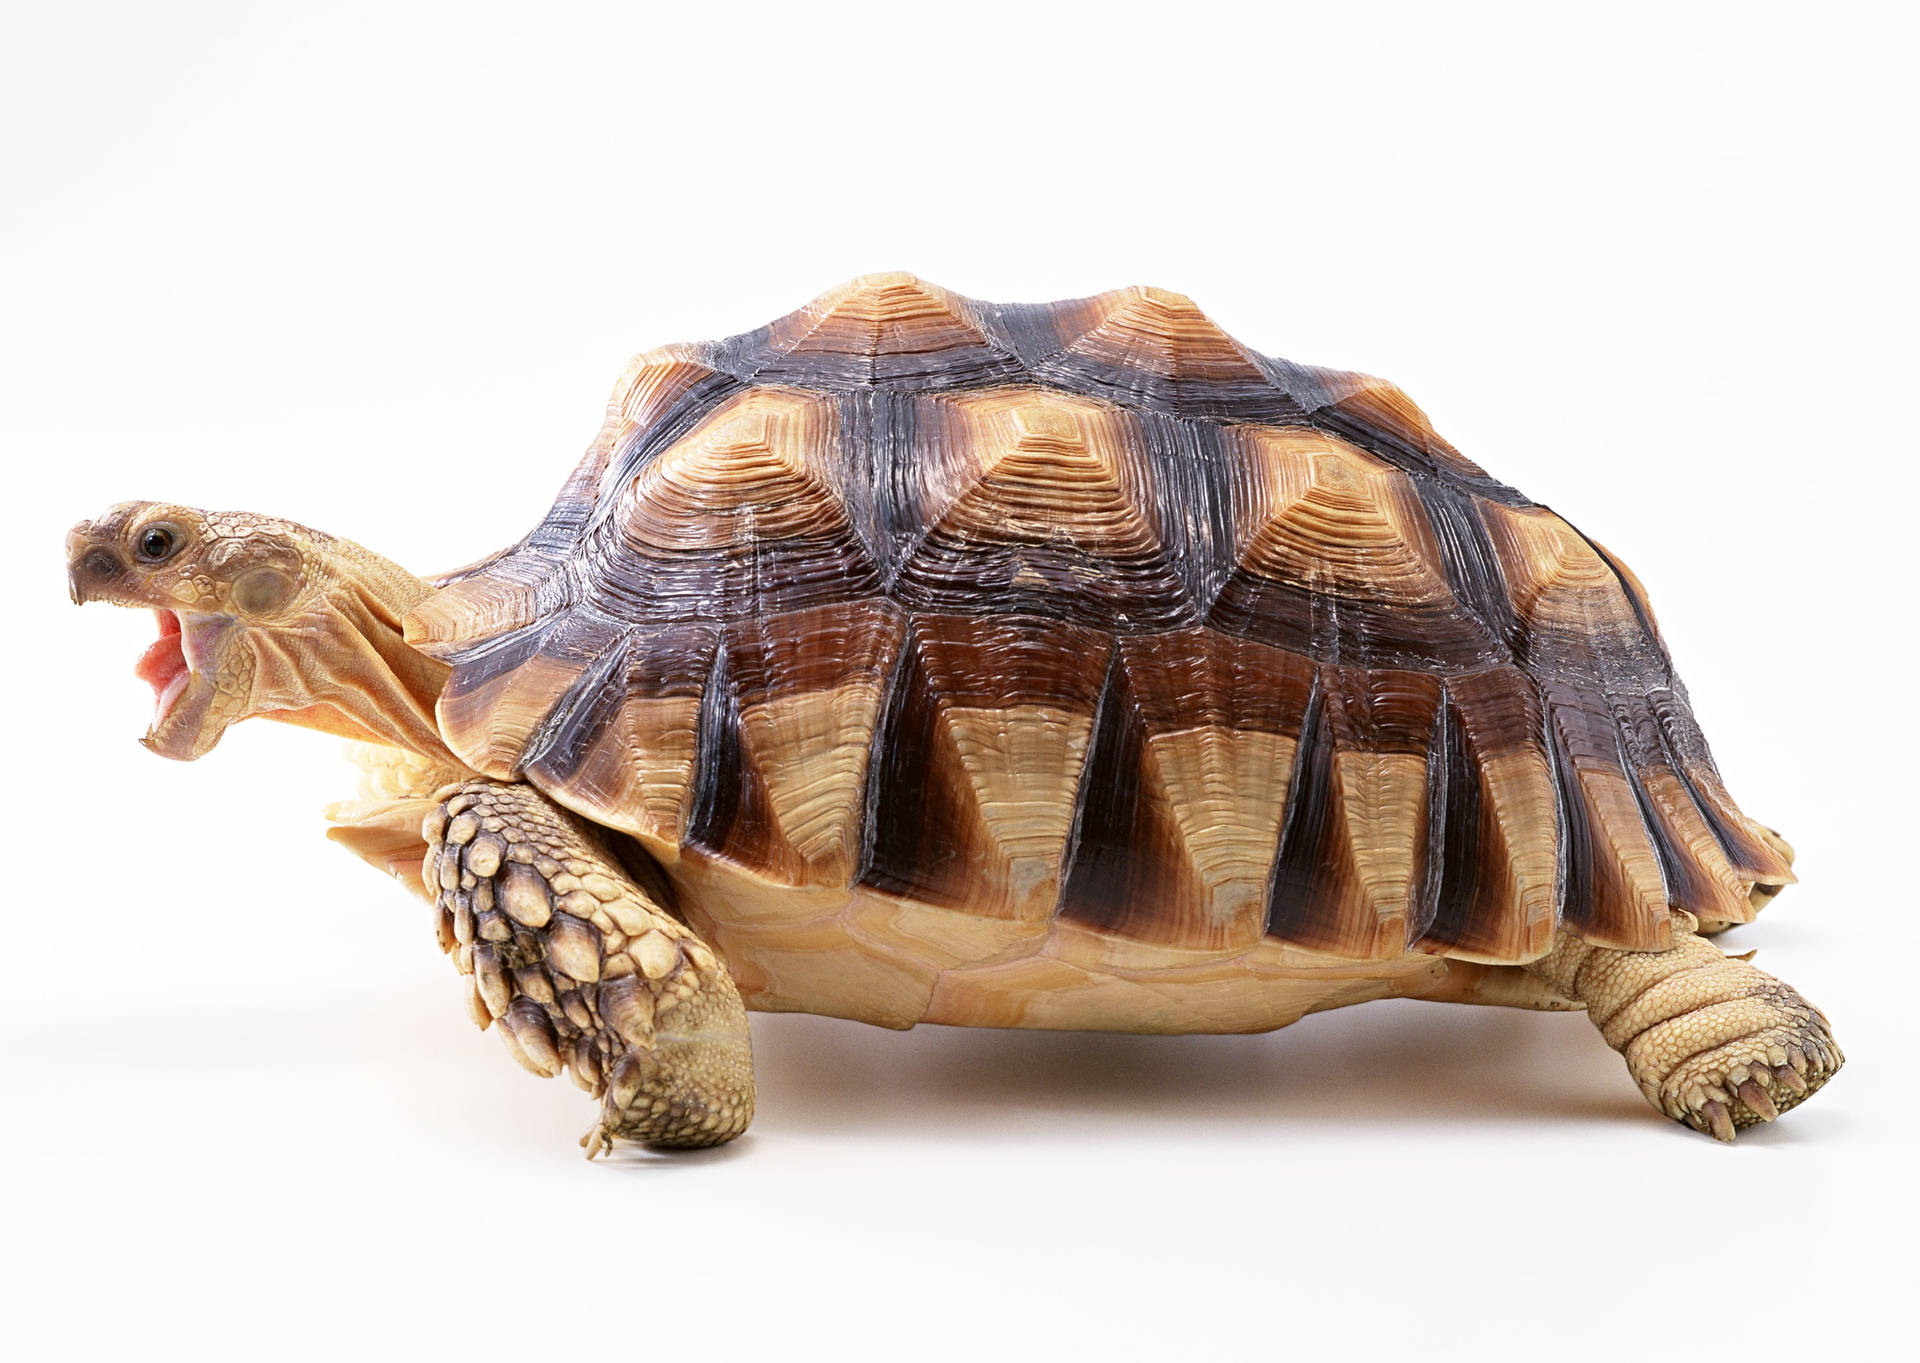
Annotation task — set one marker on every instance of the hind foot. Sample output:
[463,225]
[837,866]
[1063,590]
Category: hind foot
[1745,1059]
[1713,1042]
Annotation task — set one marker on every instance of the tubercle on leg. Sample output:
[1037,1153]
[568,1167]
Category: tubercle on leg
[583,972]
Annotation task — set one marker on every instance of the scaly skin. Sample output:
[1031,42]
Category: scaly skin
[583,970]
[1712,1041]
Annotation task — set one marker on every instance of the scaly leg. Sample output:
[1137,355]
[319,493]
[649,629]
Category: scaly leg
[1713,1042]
[583,970]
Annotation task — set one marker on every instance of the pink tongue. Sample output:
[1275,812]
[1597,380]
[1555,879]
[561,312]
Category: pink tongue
[163,661]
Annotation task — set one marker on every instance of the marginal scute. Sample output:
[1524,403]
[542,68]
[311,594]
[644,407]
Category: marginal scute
[1352,873]
[497,700]
[1494,866]
[785,782]
[625,756]
[1596,665]
[1185,790]
[1616,890]
[1090,629]
[1700,878]
[979,765]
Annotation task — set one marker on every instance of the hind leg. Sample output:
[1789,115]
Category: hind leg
[583,970]
[1712,1041]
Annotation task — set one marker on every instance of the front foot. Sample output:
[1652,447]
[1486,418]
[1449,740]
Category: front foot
[1778,1054]
[584,972]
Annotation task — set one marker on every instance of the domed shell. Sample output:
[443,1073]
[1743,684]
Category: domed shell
[1084,611]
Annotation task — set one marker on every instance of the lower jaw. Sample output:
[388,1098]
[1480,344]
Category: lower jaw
[172,734]
[163,702]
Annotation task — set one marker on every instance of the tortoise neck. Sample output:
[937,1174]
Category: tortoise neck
[358,677]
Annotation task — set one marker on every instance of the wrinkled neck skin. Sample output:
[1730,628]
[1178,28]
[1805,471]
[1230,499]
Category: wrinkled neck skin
[349,671]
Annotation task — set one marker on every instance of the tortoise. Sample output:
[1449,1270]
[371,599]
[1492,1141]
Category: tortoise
[921,659]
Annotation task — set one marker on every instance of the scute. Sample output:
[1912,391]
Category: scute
[1083,622]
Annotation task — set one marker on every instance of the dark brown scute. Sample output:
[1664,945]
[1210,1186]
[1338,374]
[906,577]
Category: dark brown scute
[1494,875]
[1351,878]
[627,702]
[1334,555]
[901,333]
[1153,349]
[1087,609]
[1181,806]
[979,762]
[1380,419]
[786,735]
[1040,504]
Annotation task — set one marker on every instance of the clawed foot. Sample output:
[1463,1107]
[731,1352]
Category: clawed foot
[583,971]
[1755,1078]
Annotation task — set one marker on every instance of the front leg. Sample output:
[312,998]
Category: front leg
[1712,1041]
[584,970]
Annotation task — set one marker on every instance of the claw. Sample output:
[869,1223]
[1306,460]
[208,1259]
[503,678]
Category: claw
[597,1142]
[1718,1122]
[1787,1075]
[1757,1098]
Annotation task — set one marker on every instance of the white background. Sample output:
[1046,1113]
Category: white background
[375,267]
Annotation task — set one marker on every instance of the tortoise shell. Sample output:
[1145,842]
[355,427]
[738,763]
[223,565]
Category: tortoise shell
[1085,616]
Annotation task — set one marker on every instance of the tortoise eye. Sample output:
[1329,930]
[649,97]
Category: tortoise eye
[158,542]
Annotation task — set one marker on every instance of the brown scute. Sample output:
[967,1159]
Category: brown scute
[1616,891]
[1379,416]
[1636,593]
[498,698]
[881,329]
[500,598]
[623,754]
[1185,790]
[1334,555]
[655,398]
[1494,866]
[1083,622]
[1699,877]
[784,752]
[1754,856]
[978,773]
[742,516]
[1352,872]
[1156,348]
[1034,502]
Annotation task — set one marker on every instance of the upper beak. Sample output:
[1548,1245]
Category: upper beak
[92,567]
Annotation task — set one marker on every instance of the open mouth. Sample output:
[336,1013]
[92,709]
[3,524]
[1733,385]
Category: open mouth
[164,665]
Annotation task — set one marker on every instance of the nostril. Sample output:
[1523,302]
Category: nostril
[99,563]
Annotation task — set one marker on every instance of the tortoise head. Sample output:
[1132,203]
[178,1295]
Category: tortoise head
[260,616]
